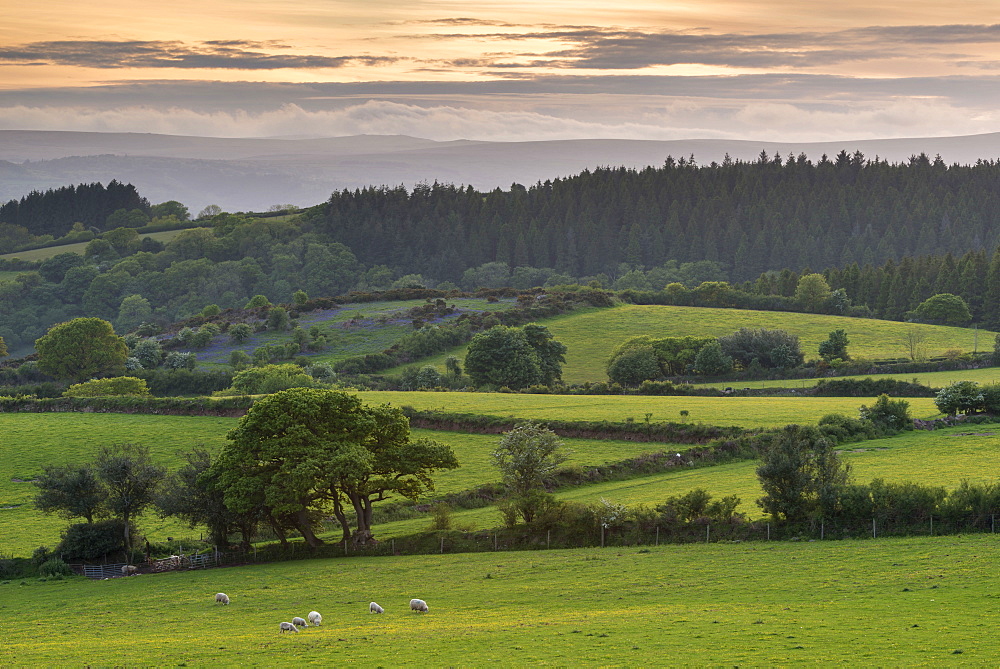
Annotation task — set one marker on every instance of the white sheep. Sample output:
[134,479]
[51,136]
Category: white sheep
[418,605]
[221,597]
[129,569]
[375,608]
[287,627]
[299,622]
[315,618]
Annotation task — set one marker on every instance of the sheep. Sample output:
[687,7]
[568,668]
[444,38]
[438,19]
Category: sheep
[315,618]
[129,569]
[221,597]
[299,622]
[418,605]
[287,627]
[375,608]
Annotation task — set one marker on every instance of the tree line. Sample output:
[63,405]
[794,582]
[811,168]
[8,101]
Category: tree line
[753,217]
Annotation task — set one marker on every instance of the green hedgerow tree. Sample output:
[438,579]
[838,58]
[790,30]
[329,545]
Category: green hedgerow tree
[835,346]
[303,453]
[118,386]
[942,309]
[502,356]
[960,397]
[81,349]
[527,457]
[888,415]
[711,361]
[801,475]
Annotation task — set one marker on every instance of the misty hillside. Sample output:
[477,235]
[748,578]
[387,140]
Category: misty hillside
[242,174]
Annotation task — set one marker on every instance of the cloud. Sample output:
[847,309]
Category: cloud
[624,49]
[766,121]
[216,54]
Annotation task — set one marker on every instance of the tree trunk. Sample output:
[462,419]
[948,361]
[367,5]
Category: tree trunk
[363,511]
[279,531]
[303,525]
[338,511]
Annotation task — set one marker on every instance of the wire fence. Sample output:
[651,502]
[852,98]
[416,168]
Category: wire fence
[522,539]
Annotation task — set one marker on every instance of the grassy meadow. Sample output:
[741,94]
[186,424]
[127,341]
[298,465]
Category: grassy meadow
[78,248]
[940,458]
[353,329]
[899,602]
[929,379]
[34,440]
[590,335]
[748,412]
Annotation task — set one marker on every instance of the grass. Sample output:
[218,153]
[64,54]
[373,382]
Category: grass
[32,441]
[940,458]
[590,335]
[79,247]
[749,412]
[352,330]
[899,602]
[930,379]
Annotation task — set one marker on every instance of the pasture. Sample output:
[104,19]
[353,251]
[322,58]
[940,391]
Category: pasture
[900,602]
[78,248]
[748,412]
[590,335]
[940,458]
[32,441]
[351,330]
[929,379]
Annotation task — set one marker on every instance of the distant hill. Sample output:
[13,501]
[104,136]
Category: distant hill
[243,174]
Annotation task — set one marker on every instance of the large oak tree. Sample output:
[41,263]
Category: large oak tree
[304,452]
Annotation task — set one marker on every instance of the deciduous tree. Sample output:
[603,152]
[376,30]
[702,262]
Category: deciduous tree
[80,349]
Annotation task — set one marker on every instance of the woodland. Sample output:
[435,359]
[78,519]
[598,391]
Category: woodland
[889,235]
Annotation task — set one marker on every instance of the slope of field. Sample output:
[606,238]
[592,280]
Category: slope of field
[591,335]
[35,440]
[941,458]
[899,602]
[42,254]
[749,412]
[929,379]
[351,330]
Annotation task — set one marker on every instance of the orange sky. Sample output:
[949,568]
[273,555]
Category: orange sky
[943,55]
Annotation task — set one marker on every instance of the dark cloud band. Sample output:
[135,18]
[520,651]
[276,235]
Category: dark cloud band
[217,54]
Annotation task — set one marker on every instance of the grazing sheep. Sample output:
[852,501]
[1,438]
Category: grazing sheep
[221,597]
[129,569]
[375,608]
[299,622]
[418,605]
[287,627]
[315,618]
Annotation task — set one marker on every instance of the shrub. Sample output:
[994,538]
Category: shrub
[633,366]
[888,415]
[92,541]
[54,567]
[959,397]
[178,360]
[271,379]
[116,386]
[769,348]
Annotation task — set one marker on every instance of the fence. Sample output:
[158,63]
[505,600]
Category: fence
[520,539]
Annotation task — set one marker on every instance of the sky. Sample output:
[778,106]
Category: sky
[780,70]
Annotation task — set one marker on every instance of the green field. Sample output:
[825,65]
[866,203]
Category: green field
[896,602]
[42,254]
[940,458]
[34,440]
[590,335]
[749,412]
[352,330]
[929,379]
